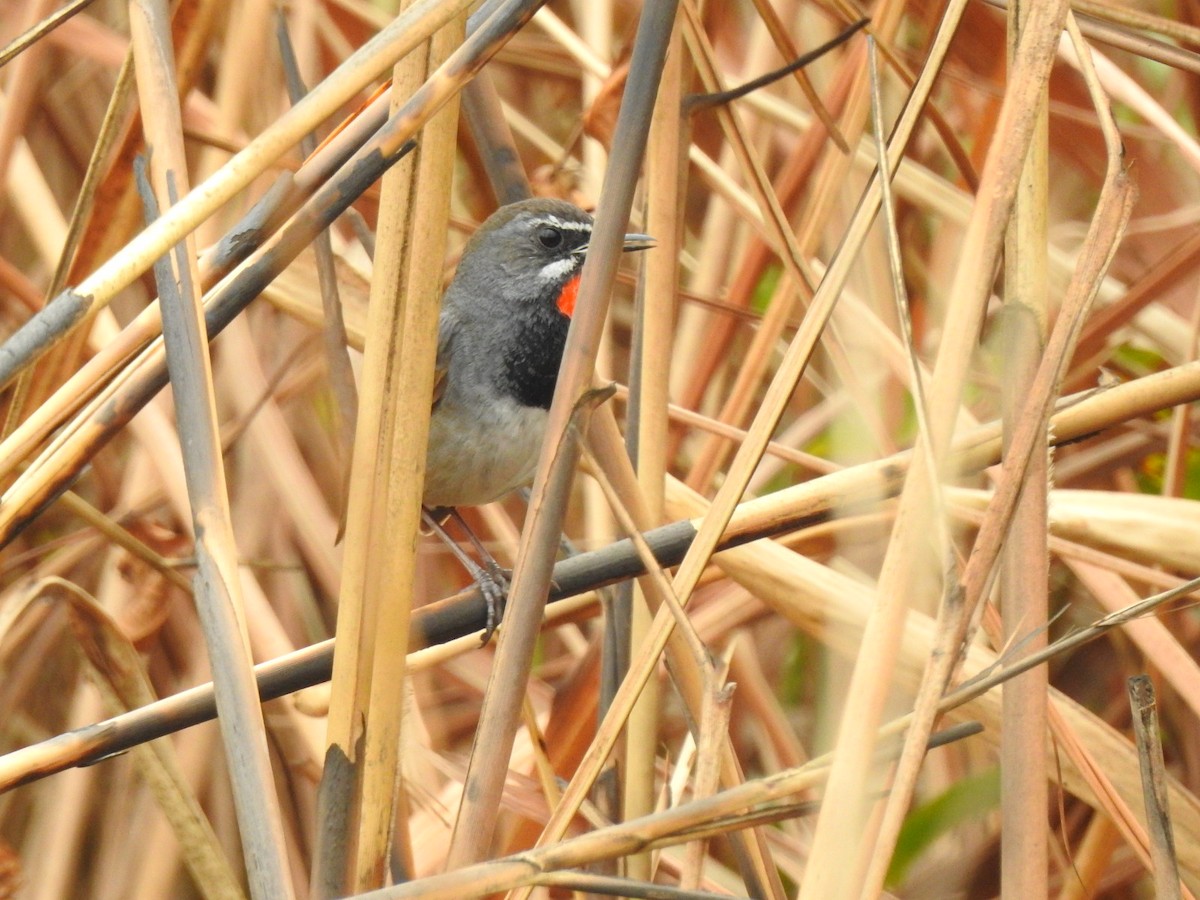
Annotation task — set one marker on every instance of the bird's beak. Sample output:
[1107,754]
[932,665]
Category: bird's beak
[637,242]
[630,243]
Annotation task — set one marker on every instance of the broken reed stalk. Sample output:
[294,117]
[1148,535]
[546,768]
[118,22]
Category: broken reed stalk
[217,587]
[1146,736]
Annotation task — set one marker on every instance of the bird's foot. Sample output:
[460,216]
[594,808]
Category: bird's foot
[493,583]
[491,579]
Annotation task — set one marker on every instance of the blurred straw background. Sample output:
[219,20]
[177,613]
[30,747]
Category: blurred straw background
[814,356]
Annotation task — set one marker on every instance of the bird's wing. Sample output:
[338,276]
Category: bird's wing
[439,385]
[447,327]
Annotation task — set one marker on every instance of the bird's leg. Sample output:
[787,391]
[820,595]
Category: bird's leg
[494,568]
[490,578]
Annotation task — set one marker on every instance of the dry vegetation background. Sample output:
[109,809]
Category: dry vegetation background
[892,578]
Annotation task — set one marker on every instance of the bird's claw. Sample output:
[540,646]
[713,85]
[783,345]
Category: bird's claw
[493,585]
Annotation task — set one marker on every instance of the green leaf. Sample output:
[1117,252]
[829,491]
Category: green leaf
[963,801]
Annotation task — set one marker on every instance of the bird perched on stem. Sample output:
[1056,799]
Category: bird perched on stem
[501,335]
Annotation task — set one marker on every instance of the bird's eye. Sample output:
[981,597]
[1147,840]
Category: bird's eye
[549,237]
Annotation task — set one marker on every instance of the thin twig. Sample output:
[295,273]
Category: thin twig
[31,36]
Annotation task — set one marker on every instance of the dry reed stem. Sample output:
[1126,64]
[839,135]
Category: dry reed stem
[1150,755]
[1108,226]
[531,576]
[1181,421]
[217,587]
[908,569]
[359,800]
[484,114]
[428,196]
[1140,19]
[650,377]
[594,25]
[1110,537]
[337,354]
[1025,561]
[905,774]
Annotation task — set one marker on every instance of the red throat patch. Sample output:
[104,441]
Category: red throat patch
[567,296]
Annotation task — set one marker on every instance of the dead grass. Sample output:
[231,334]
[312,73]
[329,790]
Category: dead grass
[798,330]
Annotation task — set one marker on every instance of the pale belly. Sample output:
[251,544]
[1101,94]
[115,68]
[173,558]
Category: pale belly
[473,460]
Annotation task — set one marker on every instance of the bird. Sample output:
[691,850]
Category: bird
[501,332]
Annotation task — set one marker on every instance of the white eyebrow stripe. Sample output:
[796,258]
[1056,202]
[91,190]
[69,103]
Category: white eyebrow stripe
[566,224]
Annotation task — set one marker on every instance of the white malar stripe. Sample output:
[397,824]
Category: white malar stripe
[556,270]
